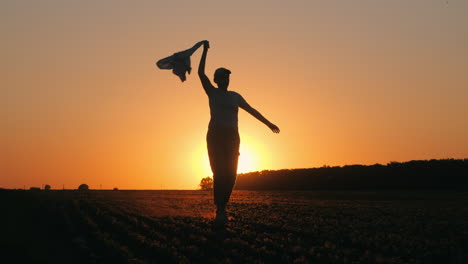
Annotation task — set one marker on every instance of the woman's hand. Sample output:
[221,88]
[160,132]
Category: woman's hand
[274,128]
[206,44]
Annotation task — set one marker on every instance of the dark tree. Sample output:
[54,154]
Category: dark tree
[415,174]
[206,184]
[83,187]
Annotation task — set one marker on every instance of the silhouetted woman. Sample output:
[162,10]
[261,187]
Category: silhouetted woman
[223,136]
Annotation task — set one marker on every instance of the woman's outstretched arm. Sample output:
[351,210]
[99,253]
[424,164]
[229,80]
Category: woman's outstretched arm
[244,105]
[201,69]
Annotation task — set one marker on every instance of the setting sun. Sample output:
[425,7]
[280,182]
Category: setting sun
[248,159]
[252,158]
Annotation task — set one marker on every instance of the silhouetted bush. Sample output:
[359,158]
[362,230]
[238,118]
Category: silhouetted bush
[416,174]
[83,187]
[206,184]
[47,187]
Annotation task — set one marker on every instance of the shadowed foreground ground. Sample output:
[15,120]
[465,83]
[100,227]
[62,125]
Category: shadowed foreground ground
[265,226]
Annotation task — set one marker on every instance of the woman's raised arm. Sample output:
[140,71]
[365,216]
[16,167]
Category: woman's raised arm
[201,69]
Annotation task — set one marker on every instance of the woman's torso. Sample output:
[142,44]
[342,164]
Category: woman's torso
[224,108]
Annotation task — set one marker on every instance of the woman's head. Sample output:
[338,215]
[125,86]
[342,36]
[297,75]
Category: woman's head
[221,78]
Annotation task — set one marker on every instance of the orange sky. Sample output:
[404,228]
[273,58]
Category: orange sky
[348,82]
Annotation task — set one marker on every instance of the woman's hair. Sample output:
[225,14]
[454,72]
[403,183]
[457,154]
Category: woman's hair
[221,73]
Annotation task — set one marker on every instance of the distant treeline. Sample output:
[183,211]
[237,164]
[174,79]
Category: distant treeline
[416,174]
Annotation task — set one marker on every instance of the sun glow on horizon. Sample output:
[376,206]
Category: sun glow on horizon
[251,158]
[248,160]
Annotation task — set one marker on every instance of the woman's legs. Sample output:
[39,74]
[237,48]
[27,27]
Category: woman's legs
[223,184]
[223,150]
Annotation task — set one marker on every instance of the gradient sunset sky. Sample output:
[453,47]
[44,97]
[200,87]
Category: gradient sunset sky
[347,82]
